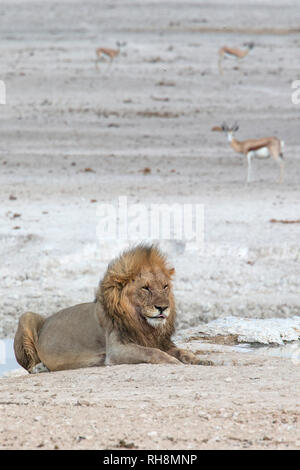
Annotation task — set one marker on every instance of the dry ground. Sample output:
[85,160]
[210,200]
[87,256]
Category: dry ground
[247,403]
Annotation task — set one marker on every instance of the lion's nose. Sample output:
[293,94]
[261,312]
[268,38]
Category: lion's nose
[160,308]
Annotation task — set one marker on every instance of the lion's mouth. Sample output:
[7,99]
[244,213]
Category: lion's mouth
[160,315]
[156,317]
[156,321]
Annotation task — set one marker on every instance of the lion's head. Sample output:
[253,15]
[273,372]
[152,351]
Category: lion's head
[137,296]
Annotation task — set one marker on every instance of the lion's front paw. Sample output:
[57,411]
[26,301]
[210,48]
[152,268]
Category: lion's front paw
[188,357]
[204,362]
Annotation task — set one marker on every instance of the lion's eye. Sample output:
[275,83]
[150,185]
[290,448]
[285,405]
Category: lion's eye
[166,286]
[146,288]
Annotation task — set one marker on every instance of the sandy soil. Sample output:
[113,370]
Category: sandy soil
[74,137]
[246,403]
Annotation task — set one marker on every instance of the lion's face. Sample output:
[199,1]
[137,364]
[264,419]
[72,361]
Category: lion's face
[136,297]
[150,295]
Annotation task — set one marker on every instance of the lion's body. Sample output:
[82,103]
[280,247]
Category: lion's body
[131,321]
[61,346]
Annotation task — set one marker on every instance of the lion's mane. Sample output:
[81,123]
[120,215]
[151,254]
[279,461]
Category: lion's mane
[131,327]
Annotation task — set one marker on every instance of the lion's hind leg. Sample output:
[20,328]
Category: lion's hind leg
[26,339]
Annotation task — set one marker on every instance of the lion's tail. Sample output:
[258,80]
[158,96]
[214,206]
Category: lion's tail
[26,338]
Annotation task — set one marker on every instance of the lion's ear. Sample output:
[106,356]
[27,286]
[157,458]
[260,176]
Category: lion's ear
[171,272]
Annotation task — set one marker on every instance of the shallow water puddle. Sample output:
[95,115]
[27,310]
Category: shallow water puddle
[288,351]
[7,356]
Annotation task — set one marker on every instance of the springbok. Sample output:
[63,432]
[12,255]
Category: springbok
[264,147]
[226,51]
[107,52]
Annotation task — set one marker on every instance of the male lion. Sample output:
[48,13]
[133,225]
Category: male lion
[131,321]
